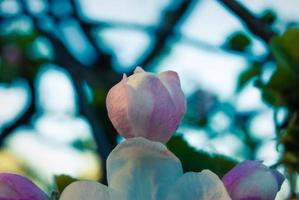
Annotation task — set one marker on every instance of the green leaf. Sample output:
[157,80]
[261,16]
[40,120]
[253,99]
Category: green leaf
[62,181]
[281,80]
[99,97]
[268,17]
[238,41]
[291,134]
[272,97]
[195,160]
[202,122]
[55,196]
[290,43]
[248,74]
[285,80]
[280,55]
[8,73]
[285,50]
[282,89]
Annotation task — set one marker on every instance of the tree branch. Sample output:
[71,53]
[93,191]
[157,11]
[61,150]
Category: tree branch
[64,59]
[254,24]
[166,29]
[102,59]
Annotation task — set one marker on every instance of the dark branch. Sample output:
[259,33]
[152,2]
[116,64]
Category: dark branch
[166,29]
[102,59]
[254,24]
[102,63]
[65,60]
[24,118]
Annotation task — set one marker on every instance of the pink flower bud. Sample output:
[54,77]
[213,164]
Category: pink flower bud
[251,180]
[16,187]
[145,105]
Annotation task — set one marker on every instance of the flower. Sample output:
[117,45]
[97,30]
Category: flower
[140,169]
[145,105]
[251,180]
[141,107]
[16,187]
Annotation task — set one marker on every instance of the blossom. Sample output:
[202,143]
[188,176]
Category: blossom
[140,169]
[16,187]
[147,109]
[252,180]
[146,105]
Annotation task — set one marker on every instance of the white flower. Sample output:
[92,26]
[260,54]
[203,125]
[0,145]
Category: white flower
[140,169]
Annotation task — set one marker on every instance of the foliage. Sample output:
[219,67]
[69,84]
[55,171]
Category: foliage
[268,17]
[282,88]
[248,74]
[197,160]
[285,91]
[239,41]
[21,56]
[282,91]
[62,181]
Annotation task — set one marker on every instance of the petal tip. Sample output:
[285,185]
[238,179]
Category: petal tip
[124,77]
[138,70]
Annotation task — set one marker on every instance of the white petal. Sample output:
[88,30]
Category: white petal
[198,186]
[142,169]
[89,190]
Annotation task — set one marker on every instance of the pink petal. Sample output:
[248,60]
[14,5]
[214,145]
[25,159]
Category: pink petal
[252,180]
[151,109]
[144,105]
[16,187]
[117,106]
[171,81]
[232,178]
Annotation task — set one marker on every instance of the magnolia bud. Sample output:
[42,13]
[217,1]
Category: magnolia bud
[145,105]
[16,187]
[253,181]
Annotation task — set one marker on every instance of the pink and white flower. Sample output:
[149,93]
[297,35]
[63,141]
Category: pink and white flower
[251,180]
[145,105]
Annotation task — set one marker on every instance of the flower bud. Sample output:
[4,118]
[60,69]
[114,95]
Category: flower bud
[16,187]
[145,105]
[253,181]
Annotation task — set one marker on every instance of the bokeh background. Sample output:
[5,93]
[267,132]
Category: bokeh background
[60,57]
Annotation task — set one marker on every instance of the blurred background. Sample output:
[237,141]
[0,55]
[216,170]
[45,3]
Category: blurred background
[59,58]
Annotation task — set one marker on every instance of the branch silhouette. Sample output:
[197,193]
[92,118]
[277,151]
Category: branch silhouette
[253,23]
